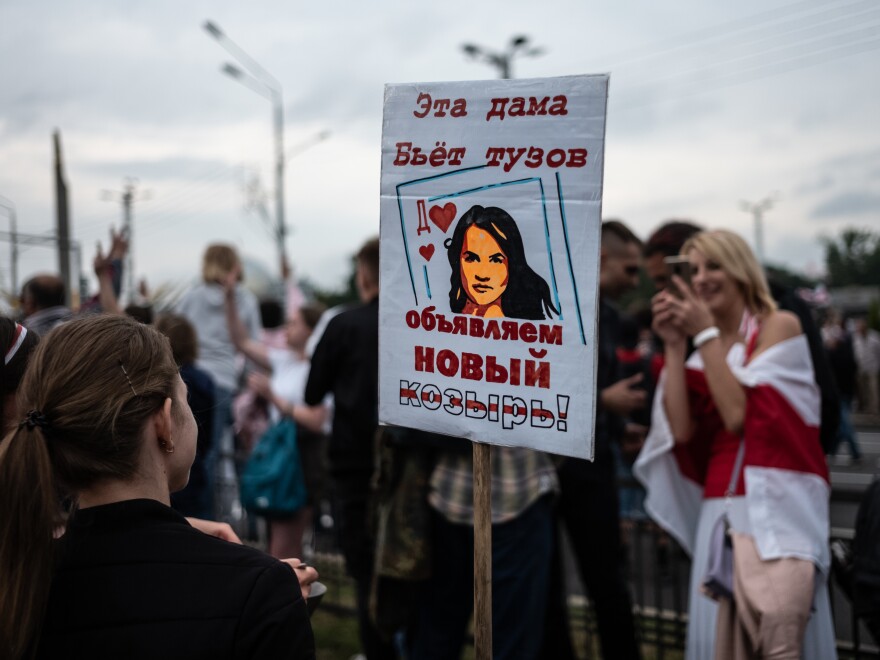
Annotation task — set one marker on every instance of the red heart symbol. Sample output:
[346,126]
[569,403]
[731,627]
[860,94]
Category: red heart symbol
[443,216]
[427,251]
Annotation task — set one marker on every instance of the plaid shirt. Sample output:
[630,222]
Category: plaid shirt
[519,477]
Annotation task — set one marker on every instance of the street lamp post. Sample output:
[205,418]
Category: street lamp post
[9,207]
[257,79]
[256,196]
[518,46]
[757,210]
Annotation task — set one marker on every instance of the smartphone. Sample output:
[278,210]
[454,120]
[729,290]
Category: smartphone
[678,266]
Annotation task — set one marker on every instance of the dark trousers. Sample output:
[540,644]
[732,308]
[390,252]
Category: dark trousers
[352,494]
[846,432]
[588,507]
[521,553]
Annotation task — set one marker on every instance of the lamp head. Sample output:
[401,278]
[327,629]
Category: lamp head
[471,50]
[233,71]
[212,29]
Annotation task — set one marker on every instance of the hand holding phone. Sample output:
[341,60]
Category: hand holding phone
[678,266]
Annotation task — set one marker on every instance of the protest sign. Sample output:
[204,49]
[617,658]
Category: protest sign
[491,199]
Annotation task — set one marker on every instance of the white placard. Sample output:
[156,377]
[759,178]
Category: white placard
[490,229]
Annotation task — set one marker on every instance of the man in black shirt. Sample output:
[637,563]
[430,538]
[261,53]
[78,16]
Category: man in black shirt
[346,363]
[588,504]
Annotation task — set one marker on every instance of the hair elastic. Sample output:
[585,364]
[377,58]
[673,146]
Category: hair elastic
[35,418]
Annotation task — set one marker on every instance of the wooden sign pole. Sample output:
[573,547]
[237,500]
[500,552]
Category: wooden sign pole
[482,551]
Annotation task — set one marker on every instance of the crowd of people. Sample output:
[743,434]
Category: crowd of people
[718,395]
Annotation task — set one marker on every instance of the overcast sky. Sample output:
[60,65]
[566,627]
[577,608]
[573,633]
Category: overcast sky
[710,103]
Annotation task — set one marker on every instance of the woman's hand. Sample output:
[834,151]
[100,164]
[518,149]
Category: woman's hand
[686,313]
[260,384]
[118,248]
[304,573]
[664,322]
[694,315]
[231,281]
[625,396]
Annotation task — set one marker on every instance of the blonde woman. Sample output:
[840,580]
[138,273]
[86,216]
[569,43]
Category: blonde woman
[205,308]
[748,384]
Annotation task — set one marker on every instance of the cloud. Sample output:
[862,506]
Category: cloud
[816,184]
[855,161]
[846,204]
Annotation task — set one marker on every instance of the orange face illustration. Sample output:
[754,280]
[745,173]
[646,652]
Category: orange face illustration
[484,268]
[489,274]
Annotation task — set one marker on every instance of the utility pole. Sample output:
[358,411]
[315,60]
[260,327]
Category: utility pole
[256,195]
[62,224]
[127,198]
[757,210]
[518,46]
[9,207]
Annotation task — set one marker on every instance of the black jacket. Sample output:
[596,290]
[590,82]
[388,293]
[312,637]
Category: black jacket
[346,363]
[609,426]
[136,581]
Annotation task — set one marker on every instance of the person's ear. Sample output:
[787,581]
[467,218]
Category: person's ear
[162,423]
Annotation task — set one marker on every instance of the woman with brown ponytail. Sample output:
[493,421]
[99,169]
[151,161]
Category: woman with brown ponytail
[107,424]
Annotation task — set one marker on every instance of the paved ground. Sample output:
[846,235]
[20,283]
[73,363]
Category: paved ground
[848,479]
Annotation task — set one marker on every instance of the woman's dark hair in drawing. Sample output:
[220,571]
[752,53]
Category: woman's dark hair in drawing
[527,295]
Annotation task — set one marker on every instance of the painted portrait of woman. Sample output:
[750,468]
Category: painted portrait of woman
[490,276]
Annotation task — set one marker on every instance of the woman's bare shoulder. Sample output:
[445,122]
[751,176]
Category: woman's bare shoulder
[777,327]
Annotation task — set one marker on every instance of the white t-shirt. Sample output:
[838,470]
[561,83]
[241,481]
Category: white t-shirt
[289,375]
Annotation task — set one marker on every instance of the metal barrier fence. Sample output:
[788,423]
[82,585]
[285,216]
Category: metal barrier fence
[657,571]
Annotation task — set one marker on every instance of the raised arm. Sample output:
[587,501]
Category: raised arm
[309,417]
[254,350]
[727,392]
[675,398]
[103,266]
[691,316]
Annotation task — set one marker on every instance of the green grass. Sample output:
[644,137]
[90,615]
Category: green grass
[336,637]
[336,633]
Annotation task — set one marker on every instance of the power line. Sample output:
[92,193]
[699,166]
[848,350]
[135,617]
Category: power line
[99,223]
[192,197]
[703,34]
[784,65]
[170,218]
[813,35]
[824,28]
